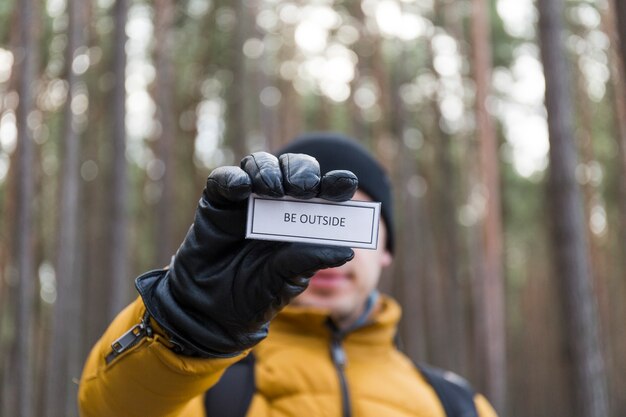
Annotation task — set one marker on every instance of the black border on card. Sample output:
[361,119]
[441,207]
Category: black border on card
[255,198]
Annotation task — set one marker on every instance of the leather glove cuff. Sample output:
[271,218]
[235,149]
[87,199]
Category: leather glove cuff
[190,335]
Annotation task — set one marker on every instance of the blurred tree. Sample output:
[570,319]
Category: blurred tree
[614,22]
[455,157]
[28,68]
[165,13]
[410,265]
[619,7]
[442,219]
[117,247]
[238,91]
[569,238]
[592,199]
[63,362]
[491,323]
[7,247]
[615,26]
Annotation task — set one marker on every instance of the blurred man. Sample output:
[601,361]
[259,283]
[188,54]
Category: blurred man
[294,329]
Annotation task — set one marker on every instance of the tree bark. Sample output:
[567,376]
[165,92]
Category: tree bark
[410,266]
[63,355]
[491,328]
[120,286]
[7,248]
[437,324]
[614,23]
[568,223]
[8,300]
[237,91]
[164,14]
[411,263]
[443,305]
[28,68]
[619,7]
[615,26]
[592,195]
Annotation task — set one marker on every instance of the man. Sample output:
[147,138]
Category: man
[330,352]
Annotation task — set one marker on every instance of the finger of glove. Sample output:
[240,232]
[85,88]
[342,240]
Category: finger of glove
[227,185]
[264,171]
[301,175]
[339,185]
[303,260]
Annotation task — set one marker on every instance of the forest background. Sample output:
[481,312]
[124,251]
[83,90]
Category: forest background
[501,122]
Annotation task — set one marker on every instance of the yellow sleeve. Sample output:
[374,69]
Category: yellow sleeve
[483,407]
[148,379]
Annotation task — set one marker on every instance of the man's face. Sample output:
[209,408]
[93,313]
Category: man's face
[344,290]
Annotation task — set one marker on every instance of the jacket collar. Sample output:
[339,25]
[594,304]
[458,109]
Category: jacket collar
[380,328]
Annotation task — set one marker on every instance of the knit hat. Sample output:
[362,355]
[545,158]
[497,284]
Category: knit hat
[336,151]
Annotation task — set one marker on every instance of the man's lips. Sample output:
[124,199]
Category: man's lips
[329,279]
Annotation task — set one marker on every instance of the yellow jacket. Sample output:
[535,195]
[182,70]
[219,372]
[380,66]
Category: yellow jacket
[294,373]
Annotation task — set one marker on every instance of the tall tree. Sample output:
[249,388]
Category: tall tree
[164,46]
[491,324]
[28,69]
[410,266]
[614,22]
[7,247]
[120,289]
[568,223]
[63,355]
[620,12]
[288,117]
[592,196]
[237,99]
[451,342]
[410,263]
[615,26]
[461,157]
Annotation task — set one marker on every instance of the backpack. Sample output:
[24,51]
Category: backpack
[232,395]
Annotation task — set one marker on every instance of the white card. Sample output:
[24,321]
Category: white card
[350,223]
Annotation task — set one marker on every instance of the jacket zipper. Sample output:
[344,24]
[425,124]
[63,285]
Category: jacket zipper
[338,355]
[130,338]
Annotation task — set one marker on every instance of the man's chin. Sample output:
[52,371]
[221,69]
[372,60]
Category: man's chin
[326,301]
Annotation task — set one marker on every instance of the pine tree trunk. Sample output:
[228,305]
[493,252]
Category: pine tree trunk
[63,355]
[568,223]
[619,7]
[410,263]
[118,267]
[237,91]
[491,329]
[450,350]
[164,16]
[411,233]
[614,23]
[290,116]
[462,157]
[7,248]
[28,68]
[592,195]
[8,302]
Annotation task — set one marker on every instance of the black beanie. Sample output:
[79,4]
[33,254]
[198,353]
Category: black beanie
[336,151]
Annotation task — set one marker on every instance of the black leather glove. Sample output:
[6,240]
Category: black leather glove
[221,290]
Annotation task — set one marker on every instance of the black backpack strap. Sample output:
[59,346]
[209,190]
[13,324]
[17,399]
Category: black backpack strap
[455,393]
[232,395]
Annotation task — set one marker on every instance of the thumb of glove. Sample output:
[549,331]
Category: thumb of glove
[297,262]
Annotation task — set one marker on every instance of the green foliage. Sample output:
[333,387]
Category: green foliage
[503,44]
[6,19]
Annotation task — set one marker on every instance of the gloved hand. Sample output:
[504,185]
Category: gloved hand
[221,290]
